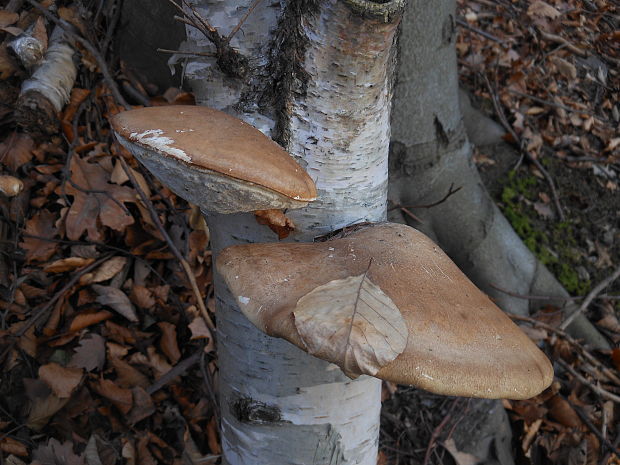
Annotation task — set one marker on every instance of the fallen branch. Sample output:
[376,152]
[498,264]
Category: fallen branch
[175,371]
[47,91]
[562,41]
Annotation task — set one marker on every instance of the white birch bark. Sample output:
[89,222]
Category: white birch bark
[319,82]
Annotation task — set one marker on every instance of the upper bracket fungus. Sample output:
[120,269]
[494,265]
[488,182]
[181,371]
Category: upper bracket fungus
[386,301]
[214,160]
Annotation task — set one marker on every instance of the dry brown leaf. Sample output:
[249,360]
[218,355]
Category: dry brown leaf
[566,68]
[117,300]
[43,403]
[199,329]
[142,296]
[352,323]
[13,446]
[94,199]
[461,458]
[277,221]
[10,186]
[86,319]
[562,412]
[67,264]
[108,269]
[615,357]
[143,406]
[56,453]
[90,353]
[128,376]
[8,67]
[40,225]
[120,398]
[168,342]
[543,9]
[152,360]
[16,150]
[7,18]
[61,380]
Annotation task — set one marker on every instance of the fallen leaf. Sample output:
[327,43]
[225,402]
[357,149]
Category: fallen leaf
[7,18]
[117,300]
[67,264]
[540,8]
[562,412]
[61,380]
[353,323]
[90,353]
[143,406]
[199,329]
[86,319]
[615,356]
[277,221]
[57,453]
[95,198]
[120,398]
[13,446]
[566,68]
[142,296]
[168,341]
[16,150]
[43,403]
[108,269]
[128,376]
[42,226]
[461,458]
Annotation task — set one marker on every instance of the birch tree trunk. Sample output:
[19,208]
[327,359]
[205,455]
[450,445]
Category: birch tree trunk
[316,77]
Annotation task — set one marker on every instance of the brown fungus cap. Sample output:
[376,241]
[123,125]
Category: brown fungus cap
[385,300]
[213,159]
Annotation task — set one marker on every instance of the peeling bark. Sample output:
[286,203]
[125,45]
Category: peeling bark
[47,91]
[318,82]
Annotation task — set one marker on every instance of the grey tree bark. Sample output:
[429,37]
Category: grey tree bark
[316,77]
[430,151]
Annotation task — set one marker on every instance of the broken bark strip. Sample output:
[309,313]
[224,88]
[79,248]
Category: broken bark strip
[44,95]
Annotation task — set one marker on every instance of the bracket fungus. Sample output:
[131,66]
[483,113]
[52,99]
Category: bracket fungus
[384,300]
[214,160]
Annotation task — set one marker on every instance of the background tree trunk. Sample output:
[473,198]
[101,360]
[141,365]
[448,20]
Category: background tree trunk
[317,81]
[430,152]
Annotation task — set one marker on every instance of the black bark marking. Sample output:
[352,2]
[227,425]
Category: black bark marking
[248,410]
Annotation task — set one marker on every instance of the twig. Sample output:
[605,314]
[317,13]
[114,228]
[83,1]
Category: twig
[50,303]
[551,104]
[523,150]
[181,52]
[234,30]
[103,66]
[591,358]
[561,40]
[437,432]
[597,389]
[590,297]
[173,248]
[594,429]
[466,25]
[605,460]
[175,371]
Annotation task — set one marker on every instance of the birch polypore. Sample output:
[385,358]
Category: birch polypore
[214,160]
[459,342]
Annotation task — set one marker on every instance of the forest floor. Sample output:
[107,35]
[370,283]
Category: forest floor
[105,355]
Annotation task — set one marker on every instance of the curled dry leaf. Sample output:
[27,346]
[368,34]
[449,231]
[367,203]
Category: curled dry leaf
[121,398]
[353,322]
[67,264]
[61,380]
[543,9]
[277,221]
[117,300]
[106,271]
[10,185]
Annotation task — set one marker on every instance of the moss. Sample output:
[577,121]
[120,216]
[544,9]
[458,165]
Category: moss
[554,244]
